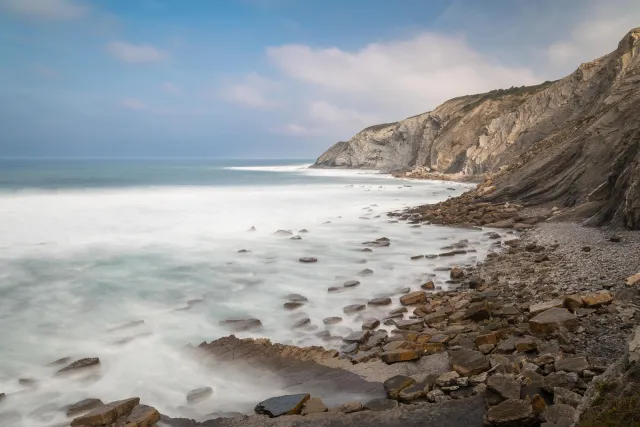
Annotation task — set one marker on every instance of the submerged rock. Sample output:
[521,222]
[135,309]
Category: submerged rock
[350,283]
[89,362]
[84,405]
[107,414]
[240,325]
[282,405]
[199,394]
[353,308]
[307,260]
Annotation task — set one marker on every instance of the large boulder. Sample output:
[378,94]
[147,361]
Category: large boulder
[107,414]
[511,413]
[504,386]
[413,298]
[552,320]
[84,405]
[394,385]
[468,362]
[282,405]
[142,416]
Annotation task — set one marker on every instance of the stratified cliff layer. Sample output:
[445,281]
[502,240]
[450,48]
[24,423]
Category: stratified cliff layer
[573,142]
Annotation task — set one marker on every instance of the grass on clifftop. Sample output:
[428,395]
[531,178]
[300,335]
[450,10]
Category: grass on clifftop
[612,410]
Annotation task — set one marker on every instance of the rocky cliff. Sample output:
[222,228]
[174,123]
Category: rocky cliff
[573,142]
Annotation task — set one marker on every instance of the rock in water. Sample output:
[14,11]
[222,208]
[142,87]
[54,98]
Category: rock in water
[283,233]
[308,259]
[84,405]
[353,308]
[142,416]
[80,364]
[107,414]
[350,283]
[240,325]
[290,404]
[199,394]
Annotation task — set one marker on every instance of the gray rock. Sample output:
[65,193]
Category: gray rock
[370,324]
[381,404]
[307,259]
[282,405]
[394,385]
[353,308]
[566,397]
[81,364]
[350,283]
[380,301]
[84,405]
[504,386]
[199,394]
[357,337]
[314,406]
[511,413]
[468,362]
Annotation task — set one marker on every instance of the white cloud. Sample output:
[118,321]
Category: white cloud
[46,9]
[327,113]
[133,104]
[293,129]
[171,88]
[254,91]
[136,53]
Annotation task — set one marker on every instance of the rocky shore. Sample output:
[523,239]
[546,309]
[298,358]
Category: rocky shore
[525,338]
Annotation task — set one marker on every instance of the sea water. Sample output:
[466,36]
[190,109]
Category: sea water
[89,245]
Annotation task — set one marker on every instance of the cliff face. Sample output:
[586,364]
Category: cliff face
[575,141]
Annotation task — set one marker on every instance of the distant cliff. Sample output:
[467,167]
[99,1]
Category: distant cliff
[575,141]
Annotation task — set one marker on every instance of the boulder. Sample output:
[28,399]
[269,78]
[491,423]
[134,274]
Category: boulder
[353,308]
[313,406]
[413,298]
[490,337]
[331,320]
[456,273]
[107,414]
[199,394]
[468,362]
[142,416]
[357,337]
[350,283]
[553,319]
[596,299]
[544,306]
[511,413]
[370,324]
[410,324]
[575,364]
[290,404]
[523,344]
[447,379]
[307,259]
[81,364]
[240,325]
[381,404]
[84,405]
[566,397]
[504,386]
[477,311]
[380,301]
[633,280]
[399,355]
[394,385]
[414,392]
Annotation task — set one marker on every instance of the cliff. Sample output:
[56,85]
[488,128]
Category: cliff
[573,142]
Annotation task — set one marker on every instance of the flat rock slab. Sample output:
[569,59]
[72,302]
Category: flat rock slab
[290,404]
[314,406]
[142,416]
[506,387]
[552,320]
[468,362]
[88,362]
[84,405]
[107,414]
[394,385]
[381,404]
[511,413]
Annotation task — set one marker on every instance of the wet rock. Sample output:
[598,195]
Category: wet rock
[10,418]
[413,298]
[596,299]
[331,320]
[365,272]
[199,394]
[84,405]
[394,385]
[304,230]
[566,397]
[410,324]
[349,408]
[282,405]
[28,382]
[296,237]
[552,320]
[399,355]
[142,416]
[381,404]
[307,259]
[349,348]
[244,251]
[366,250]
[107,414]
[370,324]
[292,305]
[301,323]
[380,301]
[511,413]
[334,289]
[240,325]
[468,362]
[416,257]
[435,318]
[504,386]
[296,298]
[313,406]
[414,392]
[357,337]
[350,283]
[378,243]
[81,364]
[353,308]
[429,286]
[575,364]
[456,273]
[63,361]
[283,233]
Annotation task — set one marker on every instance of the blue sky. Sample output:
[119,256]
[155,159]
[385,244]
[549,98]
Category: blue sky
[268,78]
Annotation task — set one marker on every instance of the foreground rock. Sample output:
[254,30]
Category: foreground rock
[283,405]
[511,413]
[107,414]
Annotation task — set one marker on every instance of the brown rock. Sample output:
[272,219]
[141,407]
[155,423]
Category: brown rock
[456,273]
[370,324]
[143,416]
[331,320]
[633,280]
[399,355]
[89,362]
[538,404]
[573,302]
[107,414]
[394,385]
[552,320]
[412,298]
[487,338]
[435,318]
[84,405]
[575,364]
[468,362]
[504,386]
[429,286]
[282,405]
[314,406]
[511,413]
[410,324]
[199,394]
[544,306]
[307,259]
[353,308]
[380,301]
[596,299]
[525,344]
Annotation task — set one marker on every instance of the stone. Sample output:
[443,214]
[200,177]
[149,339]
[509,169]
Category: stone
[81,364]
[313,406]
[634,347]
[566,397]
[477,311]
[447,379]
[281,232]
[524,344]
[544,306]
[244,251]
[199,394]
[413,298]
[349,408]
[331,320]
[399,355]
[307,259]
[478,379]
[394,385]
[511,413]
[241,325]
[350,283]
[615,239]
[410,324]
[456,273]
[504,386]
[28,382]
[381,404]
[538,404]
[349,348]
[353,308]
[357,337]
[305,321]
[573,302]
[417,257]
[107,414]
[435,318]
[380,301]
[429,286]
[556,413]
[596,299]
[468,362]
[553,319]
[142,416]
[82,406]
[436,396]
[296,237]
[365,272]
[292,305]
[558,379]
[290,404]
[399,310]
[370,324]
[575,364]
[63,361]
[507,346]
[297,298]
[633,280]
[487,338]
[486,348]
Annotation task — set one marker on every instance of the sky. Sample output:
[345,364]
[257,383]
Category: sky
[268,78]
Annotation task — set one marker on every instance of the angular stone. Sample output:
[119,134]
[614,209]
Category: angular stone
[447,379]
[413,298]
[538,404]
[370,324]
[350,283]
[107,414]
[575,364]
[241,325]
[428,286]
[84,405]
[477,311]
[380,301]
[381,404]
[349,348]
[504,386]
[468,362]
[89,362]
[553,319]
[566,397]
[487,338]
[365,272]
[394,385]
[556,413]
[307,259]
[435,318]
[199,394]
[456,273]
[142,416]
[292,305]
[357,337]
[634,347]
[314,406]
[348,408]
[596,299]
[523,344]
[410,324]
[573,302]
[297,298]
[331,320]
[633,280]
[399,355]
[507,346]
[544,306]
[353,308]
[290,404]
[511,413]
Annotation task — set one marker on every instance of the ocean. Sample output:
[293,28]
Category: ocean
[89,245]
